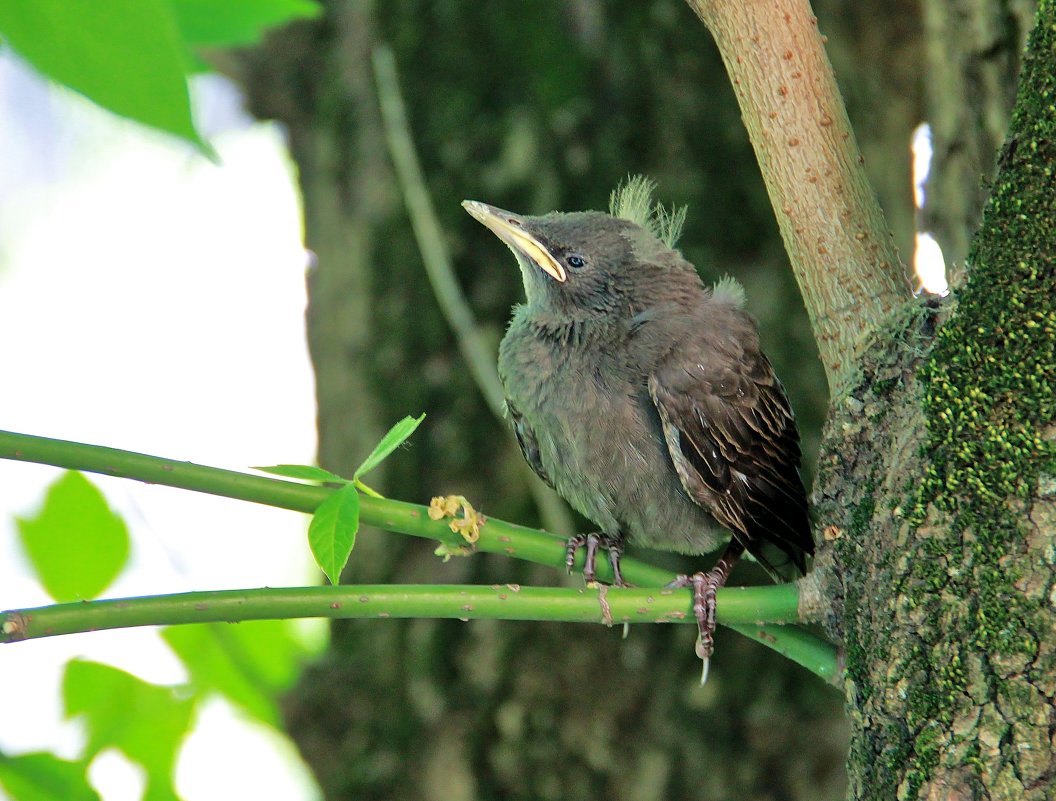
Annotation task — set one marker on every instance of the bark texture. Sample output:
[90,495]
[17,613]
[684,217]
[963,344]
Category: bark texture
[876,49]
[841,252]
[936,487]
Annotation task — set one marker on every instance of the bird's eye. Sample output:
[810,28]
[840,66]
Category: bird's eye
[575,261]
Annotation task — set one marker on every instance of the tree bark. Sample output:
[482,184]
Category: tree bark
[936,491]
[876,49]
[832,226]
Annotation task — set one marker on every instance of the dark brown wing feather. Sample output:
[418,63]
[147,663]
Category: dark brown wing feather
[732,437]
[529,446]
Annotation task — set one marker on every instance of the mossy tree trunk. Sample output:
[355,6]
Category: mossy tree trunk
[936,489]
[547,106]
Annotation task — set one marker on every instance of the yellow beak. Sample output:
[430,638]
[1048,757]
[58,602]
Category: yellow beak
[509,227]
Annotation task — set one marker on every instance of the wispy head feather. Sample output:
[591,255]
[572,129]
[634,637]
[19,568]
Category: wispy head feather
[633,200]
[729,290]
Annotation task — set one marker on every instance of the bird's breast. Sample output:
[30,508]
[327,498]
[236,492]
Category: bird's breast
[600,440]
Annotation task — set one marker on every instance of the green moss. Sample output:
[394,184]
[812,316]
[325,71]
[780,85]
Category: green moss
[883,388]
[922,758]
[990,394]
[860,642]
[890,762]
[863,512]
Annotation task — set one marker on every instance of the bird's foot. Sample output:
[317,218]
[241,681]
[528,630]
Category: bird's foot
[592,542]
[705,586]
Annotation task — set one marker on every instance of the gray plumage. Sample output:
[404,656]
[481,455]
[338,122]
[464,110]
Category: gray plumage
[642,396]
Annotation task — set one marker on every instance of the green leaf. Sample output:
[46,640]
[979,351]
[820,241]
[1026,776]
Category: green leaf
[144,721]
[45,777]
[305,472]
[236,22]
[251,664]
[332,532]
[125,55]
[390,442]
[76,544]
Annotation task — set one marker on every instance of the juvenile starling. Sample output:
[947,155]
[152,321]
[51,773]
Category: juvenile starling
[643,398]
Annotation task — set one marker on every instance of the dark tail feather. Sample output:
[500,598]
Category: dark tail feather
[780,564]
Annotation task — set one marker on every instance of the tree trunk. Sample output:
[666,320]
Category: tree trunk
[936,491]
[876,50]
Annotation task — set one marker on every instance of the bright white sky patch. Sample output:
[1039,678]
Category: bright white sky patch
[153,301]
[930,264]
[922,152]
[116,777]
[277,768]
[928,261]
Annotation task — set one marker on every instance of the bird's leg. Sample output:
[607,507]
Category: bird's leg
[594,541]
[615,548]
[705,585]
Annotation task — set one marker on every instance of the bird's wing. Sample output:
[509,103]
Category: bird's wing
[529,445]
[732,437]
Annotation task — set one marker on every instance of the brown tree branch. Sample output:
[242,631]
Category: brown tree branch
[834,231]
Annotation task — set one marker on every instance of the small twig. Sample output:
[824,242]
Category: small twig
[498,602]
[427,232]
[606,605]
[474,346]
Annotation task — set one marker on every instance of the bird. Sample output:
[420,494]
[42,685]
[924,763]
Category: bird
[642,396]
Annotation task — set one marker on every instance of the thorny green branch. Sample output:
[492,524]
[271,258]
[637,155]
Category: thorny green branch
[771,604]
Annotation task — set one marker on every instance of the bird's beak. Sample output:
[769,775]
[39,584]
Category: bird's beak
[509,227]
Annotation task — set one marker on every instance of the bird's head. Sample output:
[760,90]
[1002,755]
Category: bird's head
[572,264]
[588,263]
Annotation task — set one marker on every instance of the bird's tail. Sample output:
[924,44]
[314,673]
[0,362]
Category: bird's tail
[782,564]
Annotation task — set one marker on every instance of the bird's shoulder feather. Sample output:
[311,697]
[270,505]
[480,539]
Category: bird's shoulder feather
[732,437]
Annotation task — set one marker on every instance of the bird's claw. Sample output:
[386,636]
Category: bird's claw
[704,585]
[593,542]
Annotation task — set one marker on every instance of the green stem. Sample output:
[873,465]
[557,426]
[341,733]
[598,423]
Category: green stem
[607,605]
[373,493]
[802,646]
[497,602]
[496,536]
[477,352]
